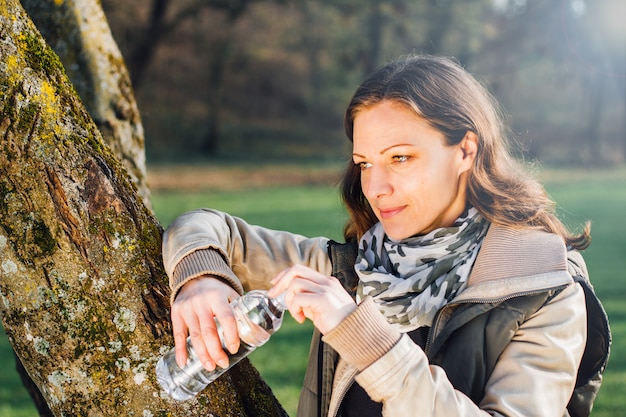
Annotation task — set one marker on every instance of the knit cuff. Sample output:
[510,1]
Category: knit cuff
[202,262]
[363,337]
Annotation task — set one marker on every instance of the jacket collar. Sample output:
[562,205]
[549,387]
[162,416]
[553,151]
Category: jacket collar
[514,262]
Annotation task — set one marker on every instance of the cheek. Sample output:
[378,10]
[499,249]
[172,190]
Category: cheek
[437,187]
[364,185]
[448,174]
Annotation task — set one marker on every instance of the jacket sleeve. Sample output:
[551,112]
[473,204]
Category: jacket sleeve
[534,376]
[211,242]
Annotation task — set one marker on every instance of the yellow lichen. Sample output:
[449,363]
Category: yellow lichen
[13,69]
[48,99]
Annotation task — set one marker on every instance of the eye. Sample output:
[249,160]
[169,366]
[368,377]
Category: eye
[363,165]
[400,158]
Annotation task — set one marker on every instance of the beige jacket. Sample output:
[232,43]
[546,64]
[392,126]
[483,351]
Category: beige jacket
[536,372]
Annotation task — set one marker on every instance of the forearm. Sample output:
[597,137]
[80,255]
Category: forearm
[209,242]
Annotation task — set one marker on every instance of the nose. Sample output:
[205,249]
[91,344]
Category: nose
[376,183]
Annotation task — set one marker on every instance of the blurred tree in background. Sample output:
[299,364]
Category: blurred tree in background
[270,79]
[79,35]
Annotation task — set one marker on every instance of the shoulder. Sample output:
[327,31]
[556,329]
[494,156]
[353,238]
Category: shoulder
[521,259]
[509,251]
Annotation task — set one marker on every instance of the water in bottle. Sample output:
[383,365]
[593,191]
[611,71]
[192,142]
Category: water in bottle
[258,317]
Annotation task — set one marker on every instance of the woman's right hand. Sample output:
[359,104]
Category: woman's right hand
[198,304]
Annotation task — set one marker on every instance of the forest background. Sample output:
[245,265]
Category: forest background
[263,84]
[269,79]
[224,83]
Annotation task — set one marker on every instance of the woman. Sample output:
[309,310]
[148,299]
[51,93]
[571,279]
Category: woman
[452,295]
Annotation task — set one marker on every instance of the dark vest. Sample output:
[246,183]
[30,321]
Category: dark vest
[469,345]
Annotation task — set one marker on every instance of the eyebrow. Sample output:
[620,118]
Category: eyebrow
[386,149]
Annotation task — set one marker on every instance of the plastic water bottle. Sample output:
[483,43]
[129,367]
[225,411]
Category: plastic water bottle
[258,317]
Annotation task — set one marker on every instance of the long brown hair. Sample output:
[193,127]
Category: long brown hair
[441,92]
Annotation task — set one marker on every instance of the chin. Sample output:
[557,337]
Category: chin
[397,235]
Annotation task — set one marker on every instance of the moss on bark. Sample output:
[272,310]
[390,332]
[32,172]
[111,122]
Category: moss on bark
[84,295]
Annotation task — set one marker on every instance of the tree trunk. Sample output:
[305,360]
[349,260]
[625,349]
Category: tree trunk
[216,68]
[375,24]
[78,32]
[222,47]
[142,54]
[83,295]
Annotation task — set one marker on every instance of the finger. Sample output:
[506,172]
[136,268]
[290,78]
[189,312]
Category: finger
[284,278]
[229,336]
[230,332]
[180,330]
[198,321]
[298,315]
[193,315]
[304,281]
[207,337]
[296,288]
[227,320]
[323,301]
[325,315]
[279,282]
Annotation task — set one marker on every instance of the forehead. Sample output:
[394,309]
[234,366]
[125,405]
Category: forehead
[390,123]
[384,113]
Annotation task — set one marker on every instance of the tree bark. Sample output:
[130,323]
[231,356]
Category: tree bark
[83,294]
[77,30]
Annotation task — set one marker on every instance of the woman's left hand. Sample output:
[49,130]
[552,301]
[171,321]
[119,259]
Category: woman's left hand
[309,294]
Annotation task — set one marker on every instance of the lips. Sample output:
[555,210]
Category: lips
[388,213]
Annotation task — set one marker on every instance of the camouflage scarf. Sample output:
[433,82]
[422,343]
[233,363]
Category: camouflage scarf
[411,279]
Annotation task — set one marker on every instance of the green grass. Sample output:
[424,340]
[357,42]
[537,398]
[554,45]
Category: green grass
[599,196]
[14,399]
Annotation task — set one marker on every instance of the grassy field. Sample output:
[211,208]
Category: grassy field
[314,209]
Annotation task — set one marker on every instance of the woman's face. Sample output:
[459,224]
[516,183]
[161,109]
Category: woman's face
[411,178]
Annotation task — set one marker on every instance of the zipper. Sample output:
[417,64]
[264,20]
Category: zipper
[344,390]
